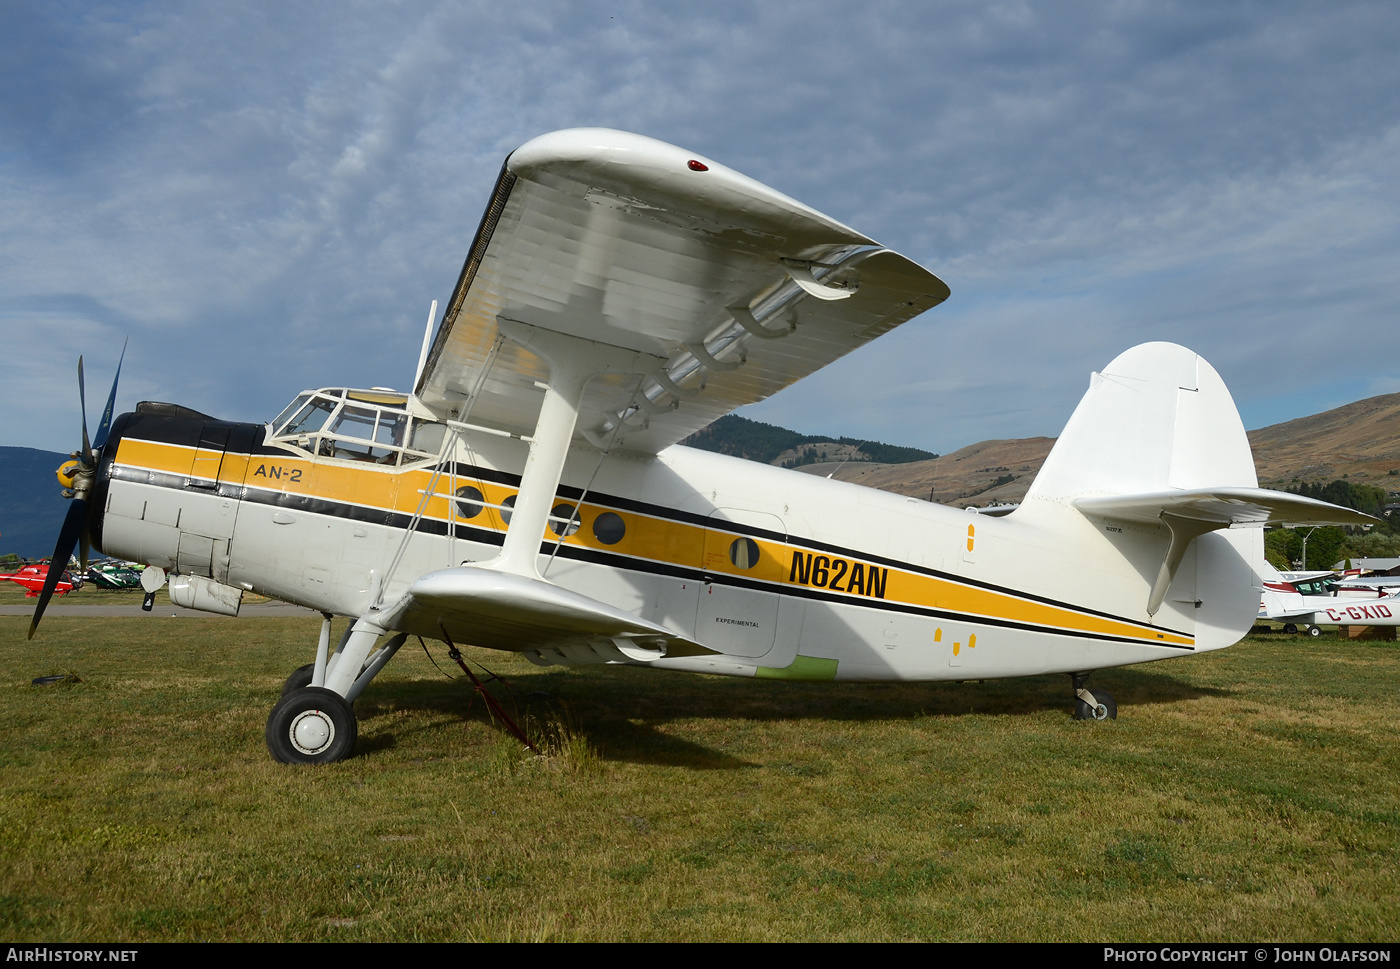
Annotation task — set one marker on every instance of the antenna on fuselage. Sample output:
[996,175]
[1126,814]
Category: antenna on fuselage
[427,342]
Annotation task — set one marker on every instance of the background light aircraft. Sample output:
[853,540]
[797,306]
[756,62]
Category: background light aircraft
[1362,585]
[528,494]
[1313,601]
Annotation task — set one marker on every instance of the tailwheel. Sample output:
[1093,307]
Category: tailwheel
[311,725]
[1104,709]
[1091,705]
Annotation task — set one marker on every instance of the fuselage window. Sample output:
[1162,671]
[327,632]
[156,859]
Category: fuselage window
[609,528]
[470,505]
[743,552]
[506,507]
[564,520]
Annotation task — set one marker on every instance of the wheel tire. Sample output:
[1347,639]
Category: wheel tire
[311,725]
[1106,710]
[1314,631]
[300,678]
[1290,628]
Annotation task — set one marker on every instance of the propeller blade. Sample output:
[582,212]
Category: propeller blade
[82,402]
[74,524]
[106,423]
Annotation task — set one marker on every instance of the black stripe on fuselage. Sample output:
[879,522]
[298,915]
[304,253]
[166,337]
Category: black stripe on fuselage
[569,493]
[377,516]
[626,563]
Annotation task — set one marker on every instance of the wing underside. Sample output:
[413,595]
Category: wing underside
[734,289]
[498,610]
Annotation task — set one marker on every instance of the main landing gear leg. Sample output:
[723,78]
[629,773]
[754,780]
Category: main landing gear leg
[1097,705]
[316,724]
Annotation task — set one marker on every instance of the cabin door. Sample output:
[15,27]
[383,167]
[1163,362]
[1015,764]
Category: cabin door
[743,563]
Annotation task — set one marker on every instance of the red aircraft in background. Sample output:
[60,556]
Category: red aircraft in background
[32,577]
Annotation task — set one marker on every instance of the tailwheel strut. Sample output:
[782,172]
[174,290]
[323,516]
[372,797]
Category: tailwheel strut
[1095,705]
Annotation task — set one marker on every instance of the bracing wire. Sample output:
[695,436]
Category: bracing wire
[445,455]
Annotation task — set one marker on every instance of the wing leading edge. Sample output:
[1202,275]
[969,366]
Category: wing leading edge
[627,241]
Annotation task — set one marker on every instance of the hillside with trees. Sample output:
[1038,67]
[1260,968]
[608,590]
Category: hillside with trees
[770,444]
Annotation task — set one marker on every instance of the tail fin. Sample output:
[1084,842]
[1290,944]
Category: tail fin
[1157,418]
[1144,486]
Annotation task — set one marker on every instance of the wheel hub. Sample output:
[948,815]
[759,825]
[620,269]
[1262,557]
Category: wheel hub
[312,732]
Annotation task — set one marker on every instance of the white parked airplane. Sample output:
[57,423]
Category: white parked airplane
[1313,601]
[528,495]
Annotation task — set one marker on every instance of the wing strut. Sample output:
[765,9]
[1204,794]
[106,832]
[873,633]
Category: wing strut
[573,361]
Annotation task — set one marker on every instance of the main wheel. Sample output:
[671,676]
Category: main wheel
[301,677]
[1106,709]
[1290,628]
[1314,631]
[311,725]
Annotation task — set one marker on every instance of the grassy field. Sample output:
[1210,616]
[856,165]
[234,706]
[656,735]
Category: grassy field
[1246,794]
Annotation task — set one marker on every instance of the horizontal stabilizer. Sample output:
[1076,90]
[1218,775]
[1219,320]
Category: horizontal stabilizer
[1224,506]
[497,610]
[1191,513]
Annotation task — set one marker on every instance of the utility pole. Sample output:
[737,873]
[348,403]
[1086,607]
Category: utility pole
[1305,546]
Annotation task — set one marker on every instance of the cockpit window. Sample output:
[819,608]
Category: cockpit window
[311,418]
[359,426]
[290,411]
[355,422]
[391,429]
[428,437]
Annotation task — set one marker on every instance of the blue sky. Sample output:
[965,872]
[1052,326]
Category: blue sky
[267,197]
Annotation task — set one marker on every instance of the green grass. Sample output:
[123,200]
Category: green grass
[1246,794]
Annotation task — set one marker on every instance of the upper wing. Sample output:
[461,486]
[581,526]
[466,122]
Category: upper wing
[628,241]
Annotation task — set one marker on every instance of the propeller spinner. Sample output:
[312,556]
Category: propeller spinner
[77,476]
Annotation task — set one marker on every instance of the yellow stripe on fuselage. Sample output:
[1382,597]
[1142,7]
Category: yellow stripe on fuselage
[652,538]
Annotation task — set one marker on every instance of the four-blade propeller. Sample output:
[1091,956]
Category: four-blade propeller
[78,476]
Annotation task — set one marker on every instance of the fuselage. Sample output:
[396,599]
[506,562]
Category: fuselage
[1282,601]
[783,574]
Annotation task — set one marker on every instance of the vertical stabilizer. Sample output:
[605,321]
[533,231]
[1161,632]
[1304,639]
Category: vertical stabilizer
[1157,419]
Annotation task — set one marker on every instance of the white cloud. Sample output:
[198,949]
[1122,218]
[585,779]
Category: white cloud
[267,197]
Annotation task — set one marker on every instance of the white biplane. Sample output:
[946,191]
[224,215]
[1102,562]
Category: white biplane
[529,494]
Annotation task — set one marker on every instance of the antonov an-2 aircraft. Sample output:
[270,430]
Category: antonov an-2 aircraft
[529,494]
